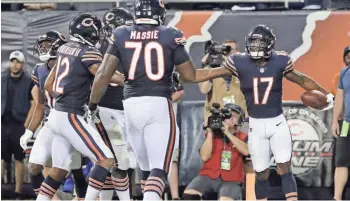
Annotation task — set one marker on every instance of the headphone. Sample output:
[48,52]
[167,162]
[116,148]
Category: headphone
[238,109]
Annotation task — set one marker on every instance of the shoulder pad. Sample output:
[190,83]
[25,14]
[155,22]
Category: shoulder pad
[92,50]
[282,53]
[180,39]
[38,64]
[238,55]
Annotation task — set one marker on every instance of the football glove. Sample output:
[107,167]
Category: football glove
[330,101]
[92,115]
[25,138]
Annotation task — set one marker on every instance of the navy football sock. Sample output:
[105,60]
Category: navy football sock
[261,189]
[80,183]
[36,182]
[144,177]
[289,186]
[48,188]
[97,178]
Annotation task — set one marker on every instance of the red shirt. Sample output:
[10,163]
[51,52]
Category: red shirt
[212,167]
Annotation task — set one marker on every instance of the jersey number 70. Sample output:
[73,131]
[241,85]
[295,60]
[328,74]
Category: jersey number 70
[147,50]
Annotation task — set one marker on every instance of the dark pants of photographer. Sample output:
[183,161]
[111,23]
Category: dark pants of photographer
[205,185]
[342,150]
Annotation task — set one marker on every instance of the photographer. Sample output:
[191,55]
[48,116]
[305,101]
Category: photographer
[222,154]
[220,90]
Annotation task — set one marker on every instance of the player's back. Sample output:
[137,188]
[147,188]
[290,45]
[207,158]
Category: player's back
[73,78]
[146,53]
[262,86]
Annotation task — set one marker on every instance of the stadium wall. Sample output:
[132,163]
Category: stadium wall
[315,41]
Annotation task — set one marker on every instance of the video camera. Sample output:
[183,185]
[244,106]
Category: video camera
[215,51]
[215,120]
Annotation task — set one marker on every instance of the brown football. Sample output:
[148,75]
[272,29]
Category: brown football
[314,99]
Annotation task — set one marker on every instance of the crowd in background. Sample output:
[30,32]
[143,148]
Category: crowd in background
[256,5]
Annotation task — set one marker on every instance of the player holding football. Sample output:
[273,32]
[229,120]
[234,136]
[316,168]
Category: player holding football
[261,70]
[147,53]
[77,62]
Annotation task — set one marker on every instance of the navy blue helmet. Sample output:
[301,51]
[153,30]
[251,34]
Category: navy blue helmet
[260,42]
[150,12]
[86,29]
[47,45]
[116,17]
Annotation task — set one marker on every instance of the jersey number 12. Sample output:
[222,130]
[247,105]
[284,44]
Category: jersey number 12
[147,54]
[61,63]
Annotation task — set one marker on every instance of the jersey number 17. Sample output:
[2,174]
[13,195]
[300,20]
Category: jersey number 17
[256,82]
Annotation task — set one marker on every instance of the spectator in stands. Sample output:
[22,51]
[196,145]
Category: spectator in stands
[222,154]
[177,96]
[222,90]
[39,6]
[342,131]
[346,59]
[16,99]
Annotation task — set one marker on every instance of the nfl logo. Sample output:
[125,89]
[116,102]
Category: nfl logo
[262,70]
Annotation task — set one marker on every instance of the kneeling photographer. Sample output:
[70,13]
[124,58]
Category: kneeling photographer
[221,90]
[222,154]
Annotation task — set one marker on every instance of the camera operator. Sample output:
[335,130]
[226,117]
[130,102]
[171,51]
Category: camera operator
[222,154]
[220,90]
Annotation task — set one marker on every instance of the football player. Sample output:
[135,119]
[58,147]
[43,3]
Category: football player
[77,62]
[111,114]
[147,53]
[261,70]
[46,47]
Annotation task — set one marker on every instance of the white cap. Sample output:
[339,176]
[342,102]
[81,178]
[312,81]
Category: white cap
[17,55]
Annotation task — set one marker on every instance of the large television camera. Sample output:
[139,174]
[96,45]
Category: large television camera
[218,115]
[215,53]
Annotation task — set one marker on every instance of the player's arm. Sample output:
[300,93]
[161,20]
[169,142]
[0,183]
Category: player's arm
[92,60]
[211,73]
[299,78]
[304,81]
[38,113]
[104,74]
[32,94]
[117,77]
[227,68]
[181,58]
[50,81]
[30,114]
